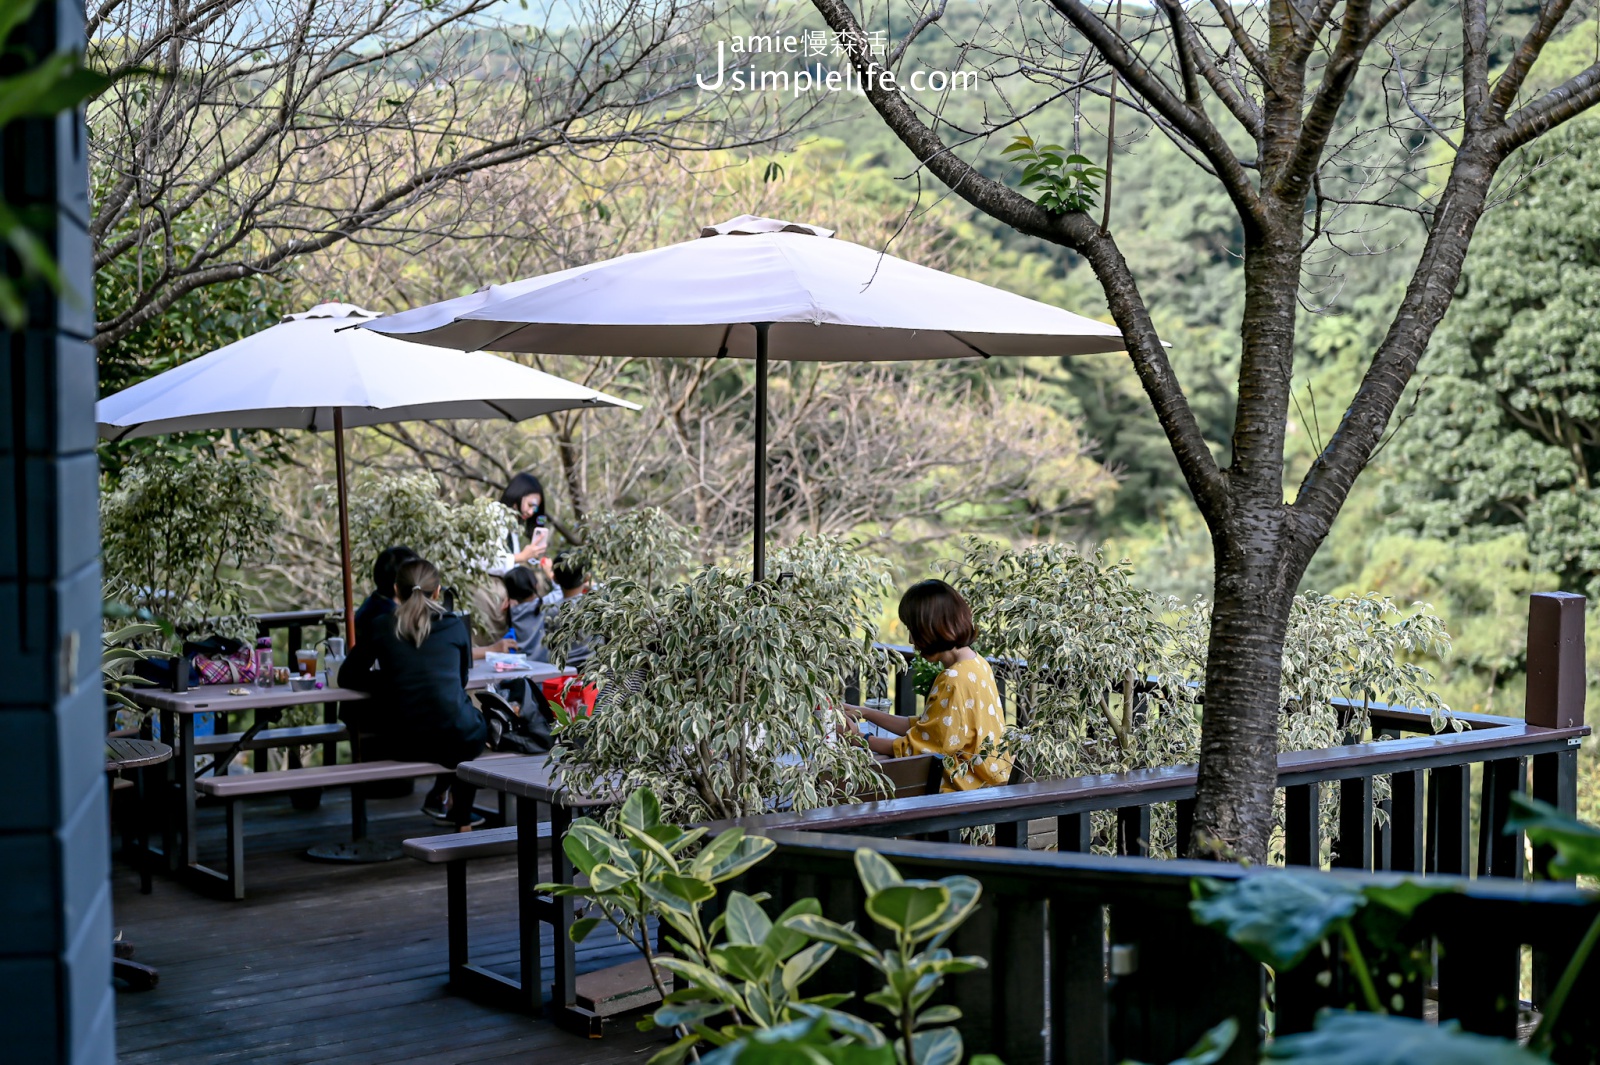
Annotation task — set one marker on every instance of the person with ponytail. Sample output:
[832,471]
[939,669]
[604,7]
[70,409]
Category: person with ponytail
[421,711]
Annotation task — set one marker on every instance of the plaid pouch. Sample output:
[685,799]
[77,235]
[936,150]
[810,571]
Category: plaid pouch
[231,669]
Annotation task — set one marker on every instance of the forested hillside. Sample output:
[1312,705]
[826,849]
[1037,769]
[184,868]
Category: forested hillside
[1484,493]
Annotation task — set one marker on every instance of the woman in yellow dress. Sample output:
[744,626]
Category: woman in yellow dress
[962,717]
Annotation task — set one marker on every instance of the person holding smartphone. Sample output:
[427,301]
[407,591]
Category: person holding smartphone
[525,495]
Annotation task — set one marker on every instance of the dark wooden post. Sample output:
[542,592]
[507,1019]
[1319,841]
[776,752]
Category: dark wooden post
[1354,850]
[1302,835]
[1555,698]
[1555,695]
[55,935]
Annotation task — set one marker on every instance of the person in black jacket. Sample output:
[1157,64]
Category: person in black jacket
[422,713]
[385,570]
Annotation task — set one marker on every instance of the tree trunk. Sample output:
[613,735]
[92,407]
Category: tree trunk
[1257,574]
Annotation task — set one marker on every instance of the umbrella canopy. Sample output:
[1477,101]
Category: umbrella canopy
[757,288]
[316,371]
[825,300]
[299,373]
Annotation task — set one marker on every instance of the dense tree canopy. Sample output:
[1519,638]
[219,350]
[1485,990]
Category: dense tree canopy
[1507,431]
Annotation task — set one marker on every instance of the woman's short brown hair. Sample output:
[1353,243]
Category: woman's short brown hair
[937,617]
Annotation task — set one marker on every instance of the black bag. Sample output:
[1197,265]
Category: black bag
[159,670]
[511,731]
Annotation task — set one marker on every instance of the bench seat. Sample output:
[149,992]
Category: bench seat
[454,850]
[231,789]
[272,738]
[467,846]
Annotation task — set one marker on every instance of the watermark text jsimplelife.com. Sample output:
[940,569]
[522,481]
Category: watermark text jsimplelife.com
[736,71]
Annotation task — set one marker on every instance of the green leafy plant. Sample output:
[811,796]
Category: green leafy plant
[1076,636]
[643,544]
[724,696]
[804,1042]
[44,86]
[1278,918]
[647,868]
[177,532]
[120,652]
[1365,1039]
[1211,1047]
[921,915]
[461,539]
[1577,853]
[745,969]
[1063,181]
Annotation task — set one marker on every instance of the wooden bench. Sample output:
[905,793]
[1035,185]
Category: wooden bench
[453,851]
[271,738]
[232,789]
[600,994]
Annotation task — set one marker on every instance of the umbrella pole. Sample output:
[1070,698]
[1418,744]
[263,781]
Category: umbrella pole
[344,530]
[760,567]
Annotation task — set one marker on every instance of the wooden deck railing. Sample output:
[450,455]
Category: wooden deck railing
[1429,808]
[1095,959]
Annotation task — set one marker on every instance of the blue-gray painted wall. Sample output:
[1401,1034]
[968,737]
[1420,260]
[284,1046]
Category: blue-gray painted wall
[56,1000]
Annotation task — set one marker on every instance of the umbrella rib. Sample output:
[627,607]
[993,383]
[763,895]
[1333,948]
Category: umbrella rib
[498,409]
[971,345]
[722,349]
[516,326]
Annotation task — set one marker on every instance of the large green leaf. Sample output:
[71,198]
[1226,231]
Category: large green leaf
[844,1023]
[730,854]
[909,907]
[1576,844]
[641,811]
[820,928]
[750,963]
[937,1046]
[1277,917]
[607,878]
[965,892]
[1374,1039]
[782,940]
[747,923]
[875,871]
[578,853]
[701,977]
[649,845]
[1404,898]
[688,888]
[804,965]
[55,83]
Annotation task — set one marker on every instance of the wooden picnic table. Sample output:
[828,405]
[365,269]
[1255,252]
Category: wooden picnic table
[533,782]
[178,711]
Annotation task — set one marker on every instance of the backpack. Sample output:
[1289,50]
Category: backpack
[511,731]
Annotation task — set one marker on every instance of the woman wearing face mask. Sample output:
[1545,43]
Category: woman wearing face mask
[525,495]
[422,712]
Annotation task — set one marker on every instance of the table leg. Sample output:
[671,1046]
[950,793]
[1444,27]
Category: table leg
[141,813]
[184,756]
[529,933]
[169,797]
[564,994]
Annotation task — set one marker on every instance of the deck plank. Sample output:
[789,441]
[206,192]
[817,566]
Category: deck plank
[332,964]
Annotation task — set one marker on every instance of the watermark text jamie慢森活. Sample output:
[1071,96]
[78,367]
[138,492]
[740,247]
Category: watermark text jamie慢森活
[737,69]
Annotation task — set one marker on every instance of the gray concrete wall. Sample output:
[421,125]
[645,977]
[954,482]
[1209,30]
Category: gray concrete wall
[56,1000]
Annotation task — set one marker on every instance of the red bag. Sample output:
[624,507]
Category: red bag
[233,669]
[568,692]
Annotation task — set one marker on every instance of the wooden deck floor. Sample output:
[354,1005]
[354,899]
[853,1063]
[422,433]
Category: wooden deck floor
[333,964]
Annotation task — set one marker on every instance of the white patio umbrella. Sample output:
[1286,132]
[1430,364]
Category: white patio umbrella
[759,288]
[314,371]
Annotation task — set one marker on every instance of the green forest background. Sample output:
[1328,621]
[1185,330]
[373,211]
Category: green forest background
[1485,492]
